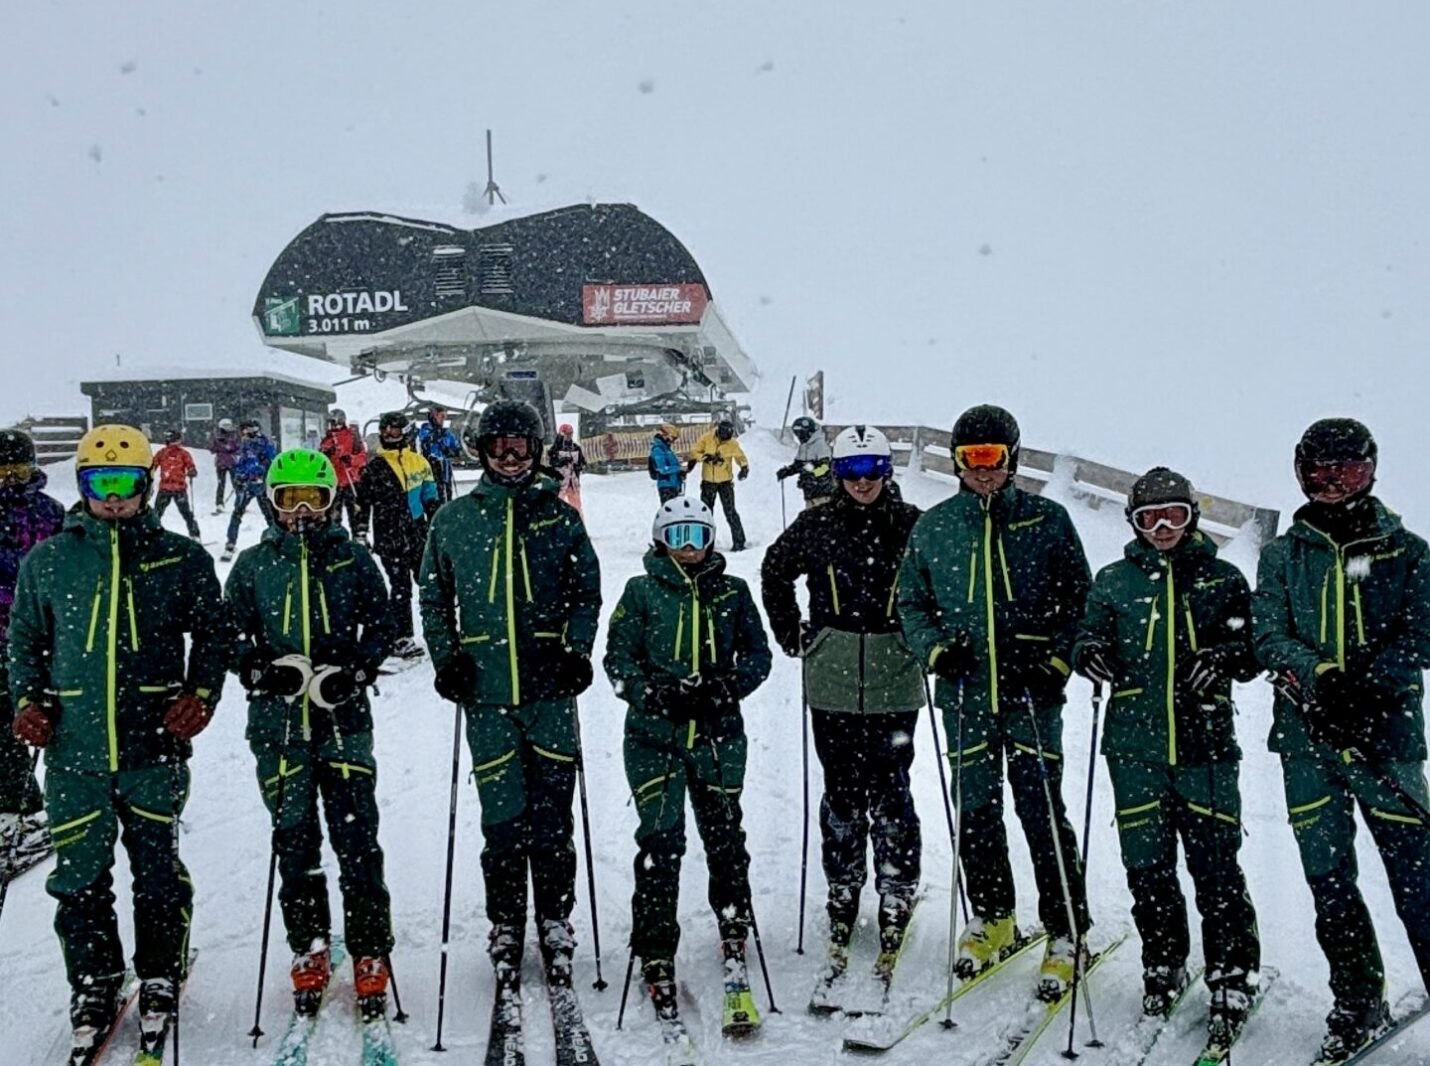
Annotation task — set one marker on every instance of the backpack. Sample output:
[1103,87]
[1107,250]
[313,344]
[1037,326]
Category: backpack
[650,468]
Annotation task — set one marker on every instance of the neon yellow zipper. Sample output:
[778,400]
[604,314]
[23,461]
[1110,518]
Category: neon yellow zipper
[511,601]
[94,613]
[1171,667]
[988,602]
[133,619]
[307,634]
[112,668]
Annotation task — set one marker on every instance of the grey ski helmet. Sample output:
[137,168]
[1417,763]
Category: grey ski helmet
[804,427]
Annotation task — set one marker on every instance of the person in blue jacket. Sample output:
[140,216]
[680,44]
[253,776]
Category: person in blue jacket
[439,446]
[666,467]
[250,469]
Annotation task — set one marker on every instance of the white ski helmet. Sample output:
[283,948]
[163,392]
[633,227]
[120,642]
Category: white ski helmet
[862,440]
[678,510]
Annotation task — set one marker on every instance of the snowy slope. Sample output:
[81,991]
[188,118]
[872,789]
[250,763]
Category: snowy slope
[226,846]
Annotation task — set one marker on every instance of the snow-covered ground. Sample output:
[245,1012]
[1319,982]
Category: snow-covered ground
[225,845]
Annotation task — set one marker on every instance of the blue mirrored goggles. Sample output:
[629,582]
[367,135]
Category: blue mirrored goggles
[863,467]
[102,482]
[687,535]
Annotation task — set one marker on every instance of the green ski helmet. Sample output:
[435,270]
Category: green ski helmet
[302,476]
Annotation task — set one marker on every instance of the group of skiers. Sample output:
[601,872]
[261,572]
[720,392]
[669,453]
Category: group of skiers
[981,607]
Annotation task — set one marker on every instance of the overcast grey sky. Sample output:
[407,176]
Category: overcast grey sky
[1155,231]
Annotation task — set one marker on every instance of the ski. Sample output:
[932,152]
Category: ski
[573,1039]
[1395,1030]
[1218,1050]
[96,1044]
[293,1047]
[1151,1028]
[504,1044]
[876,1038]
[377,1046]
[830,989]
[1019,1044]
[680,1050]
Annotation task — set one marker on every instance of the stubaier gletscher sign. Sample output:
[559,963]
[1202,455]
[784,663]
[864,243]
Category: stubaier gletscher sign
[620,305]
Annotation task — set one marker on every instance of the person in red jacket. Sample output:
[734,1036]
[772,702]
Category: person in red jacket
[175,467]
[344,448]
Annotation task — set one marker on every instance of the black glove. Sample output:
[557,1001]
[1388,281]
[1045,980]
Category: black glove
[786,471]
[744,473]
[456,678]
[796,644]
[1209,667]
[571,671]
[1339,709]
[333,686]
[955,659]
[263,674]
[1094,662]
[669,696]
[1025,665]
[712,696]
[713,460]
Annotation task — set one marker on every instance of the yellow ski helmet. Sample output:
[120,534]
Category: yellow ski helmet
[113,445]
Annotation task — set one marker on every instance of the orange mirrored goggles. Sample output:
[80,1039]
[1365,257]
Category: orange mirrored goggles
[288,498]
[981,456]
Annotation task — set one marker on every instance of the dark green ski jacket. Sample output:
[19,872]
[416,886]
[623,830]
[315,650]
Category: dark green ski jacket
[508,575]
[1154,610]
[668,622]
[320,595]
[101,612]
[1363,606]
[1011,573]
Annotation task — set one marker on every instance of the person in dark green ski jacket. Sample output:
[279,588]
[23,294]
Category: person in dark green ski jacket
[990,595]
[862,685]
[1342,620]
[685,646]
[101,680]
[1167,628]
[311,613]
[510,594]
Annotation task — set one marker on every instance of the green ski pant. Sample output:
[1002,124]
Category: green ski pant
[345,778]
[661,772]
[19,792]
[977,773]
[1322,792]
[524,764]
[1157,805]
[87,813]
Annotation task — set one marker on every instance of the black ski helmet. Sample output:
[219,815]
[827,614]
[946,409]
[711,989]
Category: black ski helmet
[16,448]
[724,429]
[396,420]
[1163,485]
[504,418]
[987,424]
[173,436]
[804,427]
[1332,439]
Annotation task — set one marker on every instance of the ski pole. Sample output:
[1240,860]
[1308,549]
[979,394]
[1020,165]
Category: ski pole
[784,522]
[1060,858]
[13,845]
[626,988]
[257,1030]
[447,890]
[942,778]
[804,835]
[956,878]
[401,1016]
[1086,839]
[600,983]
[179,963]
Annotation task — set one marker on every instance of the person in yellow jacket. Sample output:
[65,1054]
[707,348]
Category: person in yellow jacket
[717,452]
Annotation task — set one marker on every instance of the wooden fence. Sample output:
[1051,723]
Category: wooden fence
[925,449]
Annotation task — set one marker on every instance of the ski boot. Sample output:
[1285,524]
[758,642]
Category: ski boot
[1161,985]
[740,1018]
[156,1012]
[407,648]
[659,977]
[504,948]
[310,972]
[982,943]
[228,550]
[894,914]
[1350,1027]
[371,975]
[843,910]
[1233,993]
[92,1014]
[1059,967]
[558,945]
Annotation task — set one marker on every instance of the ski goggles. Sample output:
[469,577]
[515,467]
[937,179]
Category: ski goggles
[1339,477]
[289,498]
[981,456]
[687,535]
[16,473]
[863,467]
[102,482]
[506,447]
[1149,519]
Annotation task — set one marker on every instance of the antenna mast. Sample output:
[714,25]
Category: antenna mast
[492,192]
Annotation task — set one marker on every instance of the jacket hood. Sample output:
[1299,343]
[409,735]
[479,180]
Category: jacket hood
[667,571]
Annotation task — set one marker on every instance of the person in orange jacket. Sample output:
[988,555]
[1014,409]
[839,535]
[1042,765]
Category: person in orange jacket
[176,468]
